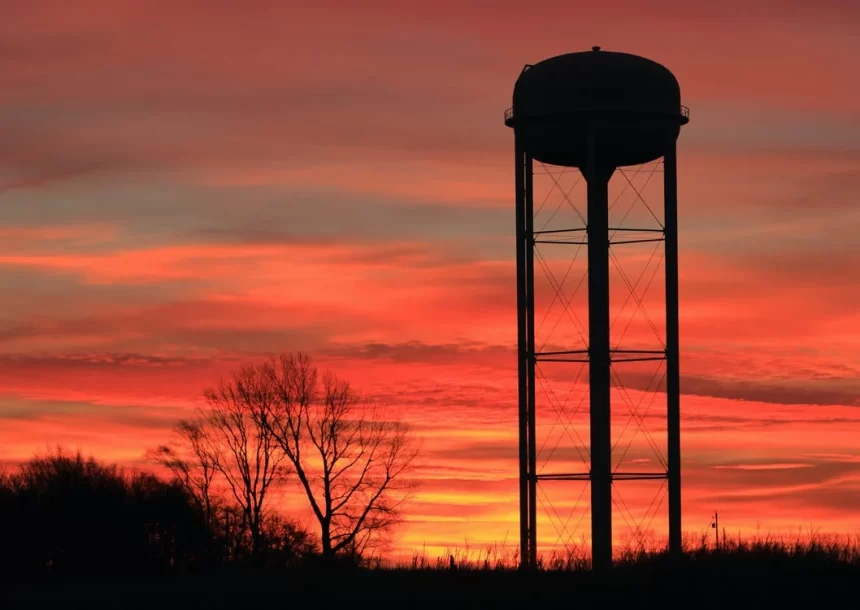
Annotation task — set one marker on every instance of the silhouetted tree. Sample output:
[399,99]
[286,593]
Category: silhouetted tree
[231,439]
[193,462]
[66,515]
[175,528]
[285,544]
[349,460]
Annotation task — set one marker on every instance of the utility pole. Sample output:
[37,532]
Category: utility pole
[716,525]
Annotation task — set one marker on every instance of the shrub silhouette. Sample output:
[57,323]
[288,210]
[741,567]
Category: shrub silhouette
[66,515]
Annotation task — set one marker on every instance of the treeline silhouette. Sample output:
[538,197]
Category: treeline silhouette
[209,532]
[264,427]
[78,533]
[67,516]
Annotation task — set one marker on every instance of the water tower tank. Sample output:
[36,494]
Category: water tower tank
[630,105]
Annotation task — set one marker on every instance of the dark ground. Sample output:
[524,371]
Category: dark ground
[709,582]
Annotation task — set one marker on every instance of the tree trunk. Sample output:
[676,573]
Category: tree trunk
[325,539]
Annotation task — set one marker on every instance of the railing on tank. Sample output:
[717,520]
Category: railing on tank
[509,113]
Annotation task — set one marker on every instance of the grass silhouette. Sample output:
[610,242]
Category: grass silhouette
[837,549]
[759,572]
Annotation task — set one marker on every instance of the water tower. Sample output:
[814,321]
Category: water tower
[595,111]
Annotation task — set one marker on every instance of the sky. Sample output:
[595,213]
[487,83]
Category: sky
[185,186]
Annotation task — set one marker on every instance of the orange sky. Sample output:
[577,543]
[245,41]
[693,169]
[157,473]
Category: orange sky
[184,186]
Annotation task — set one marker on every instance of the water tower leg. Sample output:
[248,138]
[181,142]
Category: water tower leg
[598,355]
[531,350]
[673,391]
[522,352]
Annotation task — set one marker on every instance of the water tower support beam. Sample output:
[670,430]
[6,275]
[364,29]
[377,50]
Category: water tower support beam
[597,177]
[673,391]
[531,350]
[525,356]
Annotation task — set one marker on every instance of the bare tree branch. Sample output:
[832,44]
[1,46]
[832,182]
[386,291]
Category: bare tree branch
[349,460]
[231,439]
[192,463]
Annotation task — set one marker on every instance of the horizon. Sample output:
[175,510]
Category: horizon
[185,191]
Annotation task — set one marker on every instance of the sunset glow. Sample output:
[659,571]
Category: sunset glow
[184,190]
